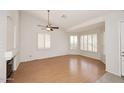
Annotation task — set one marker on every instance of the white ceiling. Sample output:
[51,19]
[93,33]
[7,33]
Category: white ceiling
[90,27]
[72,17]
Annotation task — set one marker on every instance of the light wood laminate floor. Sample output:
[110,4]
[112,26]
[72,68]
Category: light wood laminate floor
[63,69]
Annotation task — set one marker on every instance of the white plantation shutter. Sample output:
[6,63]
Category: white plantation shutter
[85,42]
[82,43]
[88,42]
[94,42]
[47,41]
[73,42]
[40,40]
[43,40]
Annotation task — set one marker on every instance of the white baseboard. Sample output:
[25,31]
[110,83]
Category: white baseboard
[25,58]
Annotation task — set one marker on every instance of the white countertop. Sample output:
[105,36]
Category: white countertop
[8,55]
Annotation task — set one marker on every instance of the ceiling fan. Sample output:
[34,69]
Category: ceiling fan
[48,27]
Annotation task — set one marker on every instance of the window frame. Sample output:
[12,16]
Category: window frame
[87,50]
[44,48]
[96,42]
[74,46]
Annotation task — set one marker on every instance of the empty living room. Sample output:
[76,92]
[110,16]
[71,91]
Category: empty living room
[61,46]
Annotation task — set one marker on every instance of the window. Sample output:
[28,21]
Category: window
[82,43]
[43,40]
[95,43]
[73,42]
[85,42]
[88,42]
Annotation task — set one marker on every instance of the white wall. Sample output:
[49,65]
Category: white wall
[112,34]
[12,26]
[29,50]
[3,25]
[6,40]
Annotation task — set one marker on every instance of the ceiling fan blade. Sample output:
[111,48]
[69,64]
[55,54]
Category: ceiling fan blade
[49,26]
[55,27]
[41,25]
[43,29]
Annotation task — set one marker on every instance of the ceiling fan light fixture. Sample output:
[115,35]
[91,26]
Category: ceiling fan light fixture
[48,29]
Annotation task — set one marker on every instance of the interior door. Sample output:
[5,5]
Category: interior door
[122,47]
